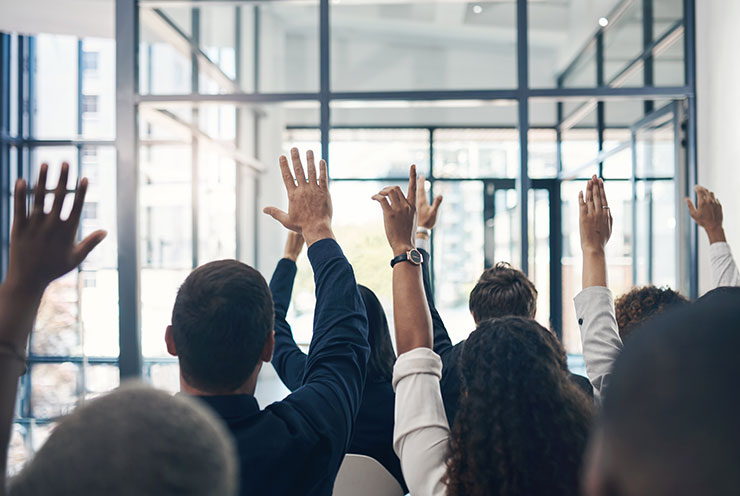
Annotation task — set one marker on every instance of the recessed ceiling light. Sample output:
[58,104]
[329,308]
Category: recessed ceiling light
[477,9]
[603,22]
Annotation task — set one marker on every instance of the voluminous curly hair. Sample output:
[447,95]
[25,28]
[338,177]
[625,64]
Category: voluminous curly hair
[641,304]
[523,424]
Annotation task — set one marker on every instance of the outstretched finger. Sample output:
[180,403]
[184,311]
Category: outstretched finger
[300,175]
[87,245]
[383,202]
[602,192]
[411,195]
[79,201]
[287,175]
[597,195]
[311,165]
[581,201]
[421,191]
[701,195]
[590,196]
[692,208]
[323,175]
[19,214]
[39,192]
[60,193]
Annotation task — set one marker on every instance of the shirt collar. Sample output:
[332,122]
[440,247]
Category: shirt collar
[232,406]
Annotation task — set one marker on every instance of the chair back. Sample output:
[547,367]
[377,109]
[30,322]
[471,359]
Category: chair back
[361,475]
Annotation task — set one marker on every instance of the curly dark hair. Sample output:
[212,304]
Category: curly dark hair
[641,304]
[523,424]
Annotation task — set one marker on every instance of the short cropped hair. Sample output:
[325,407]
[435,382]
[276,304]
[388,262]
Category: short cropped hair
[503,291]
[641,304]
[670,417]
[135,440]
[222,317]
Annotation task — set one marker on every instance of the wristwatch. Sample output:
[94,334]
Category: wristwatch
[413,256]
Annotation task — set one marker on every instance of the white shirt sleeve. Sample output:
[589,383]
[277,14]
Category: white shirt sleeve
[724,270]
[599,334]
[421,433]
[422,244]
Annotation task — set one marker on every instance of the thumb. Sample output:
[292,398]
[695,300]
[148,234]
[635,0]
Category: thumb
[87,245]
[437,202]
[278,215]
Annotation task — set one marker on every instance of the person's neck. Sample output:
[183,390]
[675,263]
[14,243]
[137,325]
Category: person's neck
[247,388]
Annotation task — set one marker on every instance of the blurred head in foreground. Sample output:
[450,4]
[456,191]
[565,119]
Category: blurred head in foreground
[670,423]
[135,440]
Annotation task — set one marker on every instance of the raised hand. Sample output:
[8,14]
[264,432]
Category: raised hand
[293,246]
[309,202]
[596,229]
[427,213]
[43,245]
[595,217]
[707,213]
[399,214]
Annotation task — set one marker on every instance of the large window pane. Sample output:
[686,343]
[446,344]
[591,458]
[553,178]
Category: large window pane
[462,153]
[434,45]
[367,153]
[56,87]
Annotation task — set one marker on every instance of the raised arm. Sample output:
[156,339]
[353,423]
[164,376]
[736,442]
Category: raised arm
[288,359]
[421,433]
[335,368]
[427,219]
[595,304]
[42,248]
[708,214]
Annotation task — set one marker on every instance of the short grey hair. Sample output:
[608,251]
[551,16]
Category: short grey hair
[135,440]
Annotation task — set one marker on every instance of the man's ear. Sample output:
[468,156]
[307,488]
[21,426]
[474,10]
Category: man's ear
[170,340]
[268,348]
[475,319]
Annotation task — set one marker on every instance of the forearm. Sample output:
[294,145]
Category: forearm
[411,313]
[18,309]
[724,269]
[594,268]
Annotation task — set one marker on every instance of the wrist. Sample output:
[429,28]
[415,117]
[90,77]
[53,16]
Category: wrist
[593,251]
[400,249]
[716,234]
[317,232]
[290,256]
[422,235]
[21,288]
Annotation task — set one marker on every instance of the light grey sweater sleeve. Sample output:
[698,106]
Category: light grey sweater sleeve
[421,433]
[724,269]
[599,334]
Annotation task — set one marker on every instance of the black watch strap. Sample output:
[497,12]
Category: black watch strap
[411,256]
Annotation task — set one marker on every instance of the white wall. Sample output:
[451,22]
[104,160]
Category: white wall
[718,100]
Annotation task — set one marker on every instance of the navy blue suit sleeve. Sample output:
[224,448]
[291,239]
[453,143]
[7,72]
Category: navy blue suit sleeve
[334,376]
[442,341]
[288,359]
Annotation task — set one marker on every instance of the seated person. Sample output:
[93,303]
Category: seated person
[222,332]
[135,440]
[373,434]
[595,308]
[640,304]
[501,291]
[669,426]
[523,424]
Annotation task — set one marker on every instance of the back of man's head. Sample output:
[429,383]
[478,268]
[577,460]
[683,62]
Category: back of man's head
[222,317]
[641,304]
[135,440]
[503,291]
[670,419]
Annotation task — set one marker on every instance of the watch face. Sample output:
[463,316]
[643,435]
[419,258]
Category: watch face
[415,257]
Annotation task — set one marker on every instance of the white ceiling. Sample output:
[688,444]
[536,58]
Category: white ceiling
[84,18]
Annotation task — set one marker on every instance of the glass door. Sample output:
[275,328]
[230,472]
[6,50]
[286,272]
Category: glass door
[660,250]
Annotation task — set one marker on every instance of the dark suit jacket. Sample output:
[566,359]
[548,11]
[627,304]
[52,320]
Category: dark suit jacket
[450,383]
[373,434]
[296,446]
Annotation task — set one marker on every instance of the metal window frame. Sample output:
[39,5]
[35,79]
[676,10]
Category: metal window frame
[128,100]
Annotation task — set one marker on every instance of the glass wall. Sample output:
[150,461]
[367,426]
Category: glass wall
[506,106]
